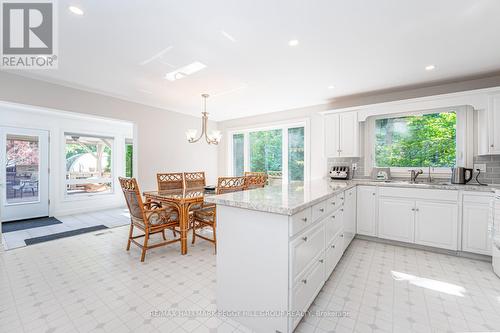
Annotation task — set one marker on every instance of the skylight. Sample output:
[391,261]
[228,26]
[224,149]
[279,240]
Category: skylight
[182,72]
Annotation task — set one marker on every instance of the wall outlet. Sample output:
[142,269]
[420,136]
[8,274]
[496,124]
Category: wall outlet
[481,167]
[355,166]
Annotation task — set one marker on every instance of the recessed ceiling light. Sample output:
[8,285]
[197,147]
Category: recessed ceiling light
[331,87]
[430,67]
[75,10]
[293,42]
[182,72]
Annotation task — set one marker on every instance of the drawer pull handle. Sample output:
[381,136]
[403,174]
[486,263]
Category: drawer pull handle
[373,193]
[333,203]
[342,235]
[333,246]
[341,198]
[333,216]
[304,219]
[417,209]
[304,239]
[322,210]
[304,281]
[321,260]
[413,209]
[342,209]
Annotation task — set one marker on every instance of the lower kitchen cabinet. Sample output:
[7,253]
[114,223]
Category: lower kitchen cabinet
[349,217]
[477,224]
[367,210]
[436,224]
[396,219]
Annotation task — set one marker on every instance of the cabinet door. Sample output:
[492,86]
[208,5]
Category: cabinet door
[396,219]
[349,217]
[332,135]
[436,224]
[476,228]
[367,210]
[494,125]
[349,134]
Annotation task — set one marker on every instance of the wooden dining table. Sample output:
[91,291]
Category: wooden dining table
[183,200]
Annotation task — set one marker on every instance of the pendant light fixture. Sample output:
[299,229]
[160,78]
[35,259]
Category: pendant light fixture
[213,138]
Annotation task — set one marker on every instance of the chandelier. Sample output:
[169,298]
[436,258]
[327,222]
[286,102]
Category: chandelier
[213,138]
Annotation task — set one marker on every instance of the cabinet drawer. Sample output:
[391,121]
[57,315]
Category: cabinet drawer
[335,202]
[318,210]
[426,194]
[333,254]
[300,221]
[305,248]
[333,224]
[305,290]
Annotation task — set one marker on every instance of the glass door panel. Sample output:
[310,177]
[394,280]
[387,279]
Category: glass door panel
[24,175]
[296,154]
[22,169]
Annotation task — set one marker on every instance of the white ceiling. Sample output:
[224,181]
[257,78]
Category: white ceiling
[355,45]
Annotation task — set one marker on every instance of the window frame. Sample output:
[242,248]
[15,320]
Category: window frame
[65,182]
[284,126]
[464,134]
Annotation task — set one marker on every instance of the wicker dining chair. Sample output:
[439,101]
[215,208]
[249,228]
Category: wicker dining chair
[170,181]
[150,217]
[256,179]
[194,179]
[207,216]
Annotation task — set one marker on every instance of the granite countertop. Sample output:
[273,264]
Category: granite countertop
[287,199]
[290,199]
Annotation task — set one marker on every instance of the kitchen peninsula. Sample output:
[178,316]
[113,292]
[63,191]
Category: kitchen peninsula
[279,244]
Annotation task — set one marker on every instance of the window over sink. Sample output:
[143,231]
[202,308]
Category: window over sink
[440,138]
[416,140]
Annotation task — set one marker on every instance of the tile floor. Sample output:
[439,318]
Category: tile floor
[89,283]
[110,218]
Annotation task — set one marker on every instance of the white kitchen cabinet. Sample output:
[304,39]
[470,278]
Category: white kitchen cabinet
[396,219]
[332,135]
[349,218]
[477,224]
[342,134]
[436,224]
[367,210]
[489,127]
[494,125]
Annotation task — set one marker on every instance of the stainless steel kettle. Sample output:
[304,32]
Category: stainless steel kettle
[460,175]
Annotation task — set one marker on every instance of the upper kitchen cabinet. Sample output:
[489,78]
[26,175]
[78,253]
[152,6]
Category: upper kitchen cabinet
[342,134]
[489,127]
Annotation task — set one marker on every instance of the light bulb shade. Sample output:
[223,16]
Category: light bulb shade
[216,136]
[191,134]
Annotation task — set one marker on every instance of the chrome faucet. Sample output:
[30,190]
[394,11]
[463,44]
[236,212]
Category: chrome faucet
[414,174]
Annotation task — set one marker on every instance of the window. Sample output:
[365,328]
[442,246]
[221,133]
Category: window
[238,154]
[416,140]
[296,153]
[278,151]
[129,158]
[266,151]
[88,164]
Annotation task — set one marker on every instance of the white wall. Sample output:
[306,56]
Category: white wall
[161,142]
[359,102]
[57,123]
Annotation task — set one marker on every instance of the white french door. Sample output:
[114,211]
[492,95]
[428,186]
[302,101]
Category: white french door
[24,173]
